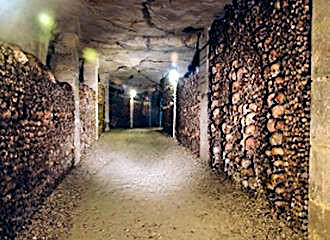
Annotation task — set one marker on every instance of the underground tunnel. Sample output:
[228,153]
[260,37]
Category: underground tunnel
[164,119]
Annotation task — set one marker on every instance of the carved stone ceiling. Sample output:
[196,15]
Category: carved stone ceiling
[135,38]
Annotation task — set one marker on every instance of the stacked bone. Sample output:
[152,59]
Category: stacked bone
[36,136]
[101,108]
[260,101]
[188,112]
[167,107]
[87,117]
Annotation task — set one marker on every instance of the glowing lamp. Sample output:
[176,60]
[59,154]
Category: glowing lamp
[46,21]
[173,76]
[132,93]
[90,55]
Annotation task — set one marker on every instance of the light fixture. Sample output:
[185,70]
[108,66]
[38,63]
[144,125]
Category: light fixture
[173,75]
[90,55]
[132,93]
[46,21]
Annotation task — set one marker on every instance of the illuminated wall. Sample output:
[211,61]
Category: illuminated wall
[260,99]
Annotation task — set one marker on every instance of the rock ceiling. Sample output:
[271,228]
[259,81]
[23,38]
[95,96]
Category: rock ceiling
[135,38]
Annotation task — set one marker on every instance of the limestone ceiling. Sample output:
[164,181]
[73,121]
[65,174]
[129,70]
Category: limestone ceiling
[135,38]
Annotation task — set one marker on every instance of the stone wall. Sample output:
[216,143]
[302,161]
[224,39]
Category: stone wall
[319,210]
[188,113]
[101,108]
[87,117]
[260,101]
[36,136]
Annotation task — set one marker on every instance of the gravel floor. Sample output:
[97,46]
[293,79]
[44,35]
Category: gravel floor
[140,184]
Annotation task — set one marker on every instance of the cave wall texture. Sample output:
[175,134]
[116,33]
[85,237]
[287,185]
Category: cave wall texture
[259,102]
[36,136]
[319,204]
[188,113]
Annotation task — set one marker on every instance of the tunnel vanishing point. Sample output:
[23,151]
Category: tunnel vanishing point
[242,86]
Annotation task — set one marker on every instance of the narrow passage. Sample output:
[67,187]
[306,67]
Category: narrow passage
[139,184]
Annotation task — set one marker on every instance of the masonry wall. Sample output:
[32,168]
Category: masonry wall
[259,103]
[319,204]
[87,117]
[36,136]
[188,113]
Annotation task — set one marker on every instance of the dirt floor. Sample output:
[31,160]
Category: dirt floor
[140,184]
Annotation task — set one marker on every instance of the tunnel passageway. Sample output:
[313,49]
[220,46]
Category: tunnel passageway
[242,84]
[139,184]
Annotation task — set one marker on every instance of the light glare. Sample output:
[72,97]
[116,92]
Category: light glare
[173,76]
[132,93]
[90,55]
[46,21]
[174,58]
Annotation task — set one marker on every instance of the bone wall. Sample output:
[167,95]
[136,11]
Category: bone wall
[259,103]
[188,113]
[167,106]
[36,136]
[87,117]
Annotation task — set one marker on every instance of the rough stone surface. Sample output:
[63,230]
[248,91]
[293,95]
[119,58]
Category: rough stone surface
[138,40]
[134,40]
[319,210]
[36,136]
[140,185]
[167,106]
[65,66]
